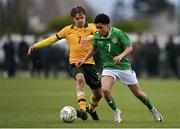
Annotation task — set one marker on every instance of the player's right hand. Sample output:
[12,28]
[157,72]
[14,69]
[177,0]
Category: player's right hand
[85,41]
[78,64]
[31,49]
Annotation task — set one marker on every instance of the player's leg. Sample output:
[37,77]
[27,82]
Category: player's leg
[144,99]
[93,81]
[107,84]
[129,78]
[94,100]
[135,89]
[80,90]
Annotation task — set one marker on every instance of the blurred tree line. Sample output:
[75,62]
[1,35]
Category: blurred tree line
[143,10]
[14,16]
[61,22]
[150,7]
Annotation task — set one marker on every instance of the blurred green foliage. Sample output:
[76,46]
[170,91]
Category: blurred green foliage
[129,26]
[133,26]
[13,17]
[61,22]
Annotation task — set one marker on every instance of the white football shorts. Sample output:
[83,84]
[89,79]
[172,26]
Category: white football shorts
[128,77]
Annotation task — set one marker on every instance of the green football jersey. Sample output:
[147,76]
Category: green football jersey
[111,46]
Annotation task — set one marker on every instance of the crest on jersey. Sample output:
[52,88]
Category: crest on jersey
[100,42]
[114,40]
[85,30]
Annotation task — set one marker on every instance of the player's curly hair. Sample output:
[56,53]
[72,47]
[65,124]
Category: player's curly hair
[76,10]
[102,18]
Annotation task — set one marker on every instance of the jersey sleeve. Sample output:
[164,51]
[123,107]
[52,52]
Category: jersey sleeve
[62,33]
[124,39]
[46,42]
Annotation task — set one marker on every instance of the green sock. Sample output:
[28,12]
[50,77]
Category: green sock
[148,104]
[112,105]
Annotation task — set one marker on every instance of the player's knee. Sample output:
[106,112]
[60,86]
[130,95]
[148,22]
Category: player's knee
[105,91]
[80,80]
[97,98]
[97,94]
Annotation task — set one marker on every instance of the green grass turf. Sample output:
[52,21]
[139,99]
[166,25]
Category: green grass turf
[35,103]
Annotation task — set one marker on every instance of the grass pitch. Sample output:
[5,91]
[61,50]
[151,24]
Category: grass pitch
[35,103]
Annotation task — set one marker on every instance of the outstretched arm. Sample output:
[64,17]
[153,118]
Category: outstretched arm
[90,54]
[43,43]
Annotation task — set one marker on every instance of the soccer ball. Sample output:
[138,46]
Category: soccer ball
[68,114]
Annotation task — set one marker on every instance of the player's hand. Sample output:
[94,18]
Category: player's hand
[85,41]
[78,64]
[117,59]
[31,49]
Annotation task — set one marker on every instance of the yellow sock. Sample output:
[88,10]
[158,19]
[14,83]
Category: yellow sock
[93,104]
[81,100]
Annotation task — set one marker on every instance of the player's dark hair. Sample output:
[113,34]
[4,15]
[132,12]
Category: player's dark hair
[102,18]
[76,10]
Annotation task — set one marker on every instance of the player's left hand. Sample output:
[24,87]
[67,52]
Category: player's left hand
[117,59]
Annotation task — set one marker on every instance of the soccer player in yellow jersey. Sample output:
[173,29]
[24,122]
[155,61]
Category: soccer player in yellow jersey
[87,73]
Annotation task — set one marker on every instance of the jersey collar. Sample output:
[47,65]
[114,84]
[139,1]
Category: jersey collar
[73,26]
[110,31]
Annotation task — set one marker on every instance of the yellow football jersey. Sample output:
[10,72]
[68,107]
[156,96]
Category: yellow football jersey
[74,35]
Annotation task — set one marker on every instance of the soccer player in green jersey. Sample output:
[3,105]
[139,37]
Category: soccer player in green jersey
[114,46]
